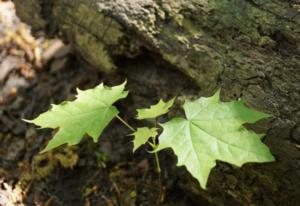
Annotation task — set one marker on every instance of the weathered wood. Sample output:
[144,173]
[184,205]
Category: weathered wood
[249,48]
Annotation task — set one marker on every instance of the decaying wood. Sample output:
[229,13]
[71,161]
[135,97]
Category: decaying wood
[249,48]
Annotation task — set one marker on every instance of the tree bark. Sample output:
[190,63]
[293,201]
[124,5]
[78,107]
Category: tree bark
[249,48]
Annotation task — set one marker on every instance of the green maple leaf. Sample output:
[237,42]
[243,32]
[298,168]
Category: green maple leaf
[141,136]
[213,131]
[89,114]
[155,110]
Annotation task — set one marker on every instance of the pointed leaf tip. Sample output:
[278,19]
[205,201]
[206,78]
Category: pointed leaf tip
[212,131]
[155,110]
[89,114]
[27,120]
[142,135]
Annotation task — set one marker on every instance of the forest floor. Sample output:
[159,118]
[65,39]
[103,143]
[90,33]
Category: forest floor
[35,72]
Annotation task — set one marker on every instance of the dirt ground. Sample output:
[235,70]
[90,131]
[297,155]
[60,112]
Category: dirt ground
[35,72]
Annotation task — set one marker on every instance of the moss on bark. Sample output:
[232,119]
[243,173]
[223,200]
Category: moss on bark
[249,48]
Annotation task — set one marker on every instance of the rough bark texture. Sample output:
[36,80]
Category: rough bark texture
[249,48]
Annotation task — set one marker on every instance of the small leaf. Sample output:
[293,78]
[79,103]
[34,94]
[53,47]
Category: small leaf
[155,110]
[141,136]
[89,114]
[213,131]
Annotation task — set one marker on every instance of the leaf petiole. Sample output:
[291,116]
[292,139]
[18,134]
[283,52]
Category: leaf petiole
[125,123]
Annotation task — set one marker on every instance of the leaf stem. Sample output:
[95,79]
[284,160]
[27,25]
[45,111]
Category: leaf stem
[125,123]
[157,162]
[157,167]
[154,145]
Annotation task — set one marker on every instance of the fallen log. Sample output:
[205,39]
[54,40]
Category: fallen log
[249,48]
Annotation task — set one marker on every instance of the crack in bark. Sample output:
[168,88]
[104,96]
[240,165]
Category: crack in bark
[259,6]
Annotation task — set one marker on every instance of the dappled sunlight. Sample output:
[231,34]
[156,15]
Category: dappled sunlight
[9,195]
